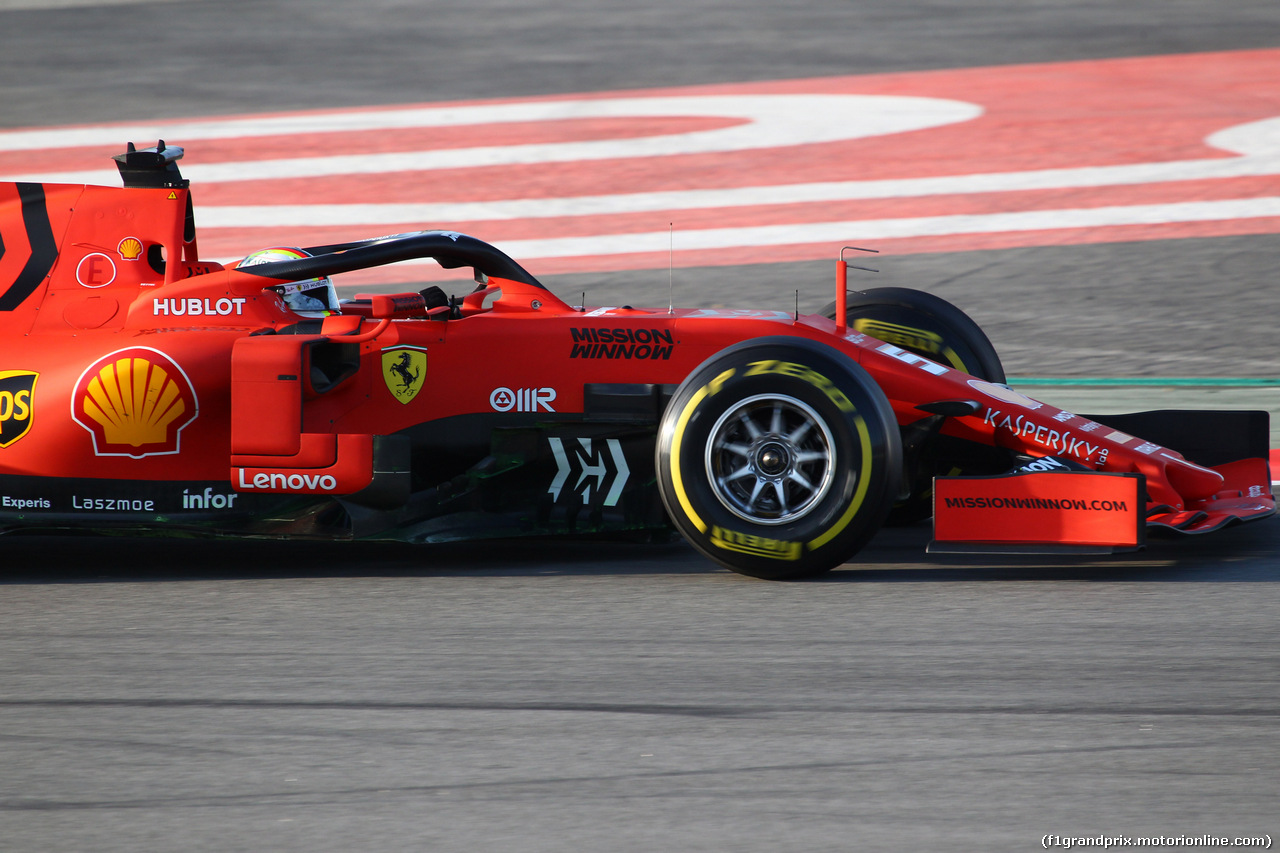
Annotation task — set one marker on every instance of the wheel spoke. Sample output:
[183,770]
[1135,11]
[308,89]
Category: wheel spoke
[770,459]
[797,477]
[781,492]
[801,431]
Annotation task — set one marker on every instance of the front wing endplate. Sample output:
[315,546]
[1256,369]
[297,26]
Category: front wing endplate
[1053,512]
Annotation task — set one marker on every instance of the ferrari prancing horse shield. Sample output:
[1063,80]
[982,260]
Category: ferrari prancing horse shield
[403,371]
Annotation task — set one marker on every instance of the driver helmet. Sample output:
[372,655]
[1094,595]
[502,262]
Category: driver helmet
[312,297]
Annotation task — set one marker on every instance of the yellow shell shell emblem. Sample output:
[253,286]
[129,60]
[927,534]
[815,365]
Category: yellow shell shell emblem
[130,249]
[134,402]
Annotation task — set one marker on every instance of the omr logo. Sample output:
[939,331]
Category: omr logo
[522,399]
[16,390]
[134,402]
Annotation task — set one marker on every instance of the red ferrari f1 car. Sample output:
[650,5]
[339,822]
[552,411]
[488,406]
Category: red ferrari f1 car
[144,390]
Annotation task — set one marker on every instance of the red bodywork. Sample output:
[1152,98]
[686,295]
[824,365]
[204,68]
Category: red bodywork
[130,362]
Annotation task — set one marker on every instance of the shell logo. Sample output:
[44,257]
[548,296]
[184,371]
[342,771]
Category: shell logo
[130,249]
[134,402]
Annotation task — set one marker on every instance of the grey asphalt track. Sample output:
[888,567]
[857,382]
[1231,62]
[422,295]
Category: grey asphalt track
[518,698]
[620,696]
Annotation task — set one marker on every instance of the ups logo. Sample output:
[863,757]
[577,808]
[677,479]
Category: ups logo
[16,388]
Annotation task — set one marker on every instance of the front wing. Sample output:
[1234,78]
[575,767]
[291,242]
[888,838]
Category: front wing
[1049,507]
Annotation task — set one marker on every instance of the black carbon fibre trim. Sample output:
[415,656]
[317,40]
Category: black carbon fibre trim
[44,250]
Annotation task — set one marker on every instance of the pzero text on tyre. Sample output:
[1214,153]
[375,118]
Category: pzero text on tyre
[778,458]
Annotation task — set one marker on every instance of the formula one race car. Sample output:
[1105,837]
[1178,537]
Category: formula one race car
[146,391]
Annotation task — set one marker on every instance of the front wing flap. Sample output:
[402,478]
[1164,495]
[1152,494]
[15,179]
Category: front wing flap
[1245,496]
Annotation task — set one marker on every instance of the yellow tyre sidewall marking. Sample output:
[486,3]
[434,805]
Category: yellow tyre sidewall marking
[677,478]
[955,359]
[859,494]
[908,338]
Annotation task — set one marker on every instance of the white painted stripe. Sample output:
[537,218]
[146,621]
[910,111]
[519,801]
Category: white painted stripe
[1256,144]
[303,215]
[889,229]
[769,121]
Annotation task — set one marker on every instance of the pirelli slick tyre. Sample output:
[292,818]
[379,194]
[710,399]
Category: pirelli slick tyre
[932,327]
[778,458]
[925,324]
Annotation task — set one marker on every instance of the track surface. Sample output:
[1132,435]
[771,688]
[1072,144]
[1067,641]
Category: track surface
[536,697]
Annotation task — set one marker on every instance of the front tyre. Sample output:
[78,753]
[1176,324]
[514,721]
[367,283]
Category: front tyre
[778,458]
[931,327]
[925,324]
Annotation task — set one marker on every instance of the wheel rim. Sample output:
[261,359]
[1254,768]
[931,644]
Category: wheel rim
[770,459]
